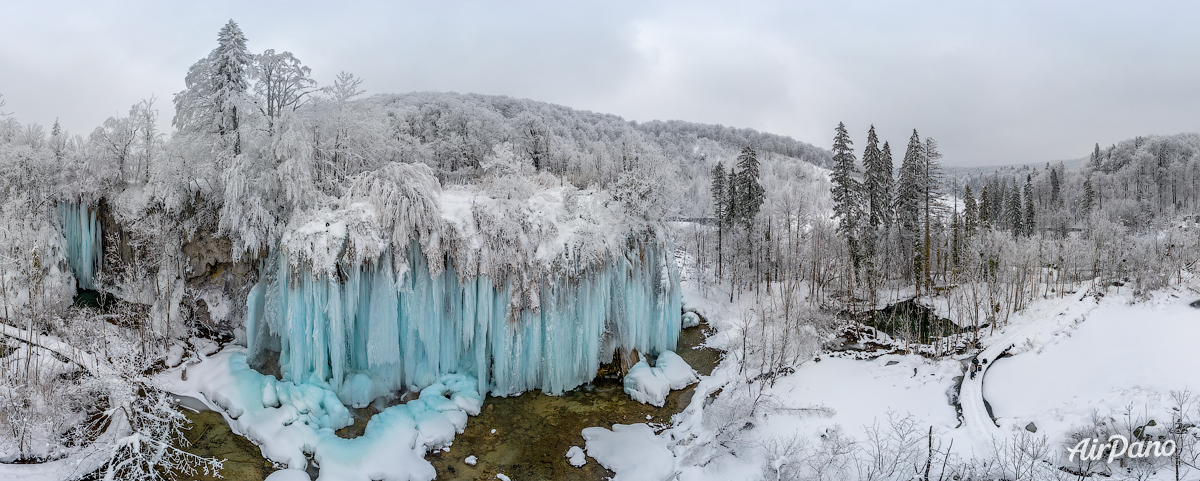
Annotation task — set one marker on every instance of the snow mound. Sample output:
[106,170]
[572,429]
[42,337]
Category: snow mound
[690,319]
[650,385]
[576,457]
[288,475]
[632,451]
[287,419]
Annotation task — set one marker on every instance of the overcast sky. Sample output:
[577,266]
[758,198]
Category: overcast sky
[994,82]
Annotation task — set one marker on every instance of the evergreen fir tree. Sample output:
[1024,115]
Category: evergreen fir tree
[718,192]
[750,192]
[845,187]
[908,199]
[931,183]
[1055,188]
[733,208]
[1016,217]
[985,207]
[1089,197]
[719,199]
[1030,222]
[878,180]
[231,71]
[888,185]
[970,213]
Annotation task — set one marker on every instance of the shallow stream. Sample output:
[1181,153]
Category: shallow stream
[523,437]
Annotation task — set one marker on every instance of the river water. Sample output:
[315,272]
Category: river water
[523,437]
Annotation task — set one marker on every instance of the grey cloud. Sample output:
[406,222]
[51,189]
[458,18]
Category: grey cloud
[994,82]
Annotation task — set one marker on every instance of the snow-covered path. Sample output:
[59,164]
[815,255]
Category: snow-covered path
[1044,318]
[970,395]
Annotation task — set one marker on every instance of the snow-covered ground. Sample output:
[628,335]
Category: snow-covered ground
[1122,355]
[1071,356]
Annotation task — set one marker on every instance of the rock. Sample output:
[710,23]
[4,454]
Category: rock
[1031,427]
[628,360]
[1195,303]
[892,363]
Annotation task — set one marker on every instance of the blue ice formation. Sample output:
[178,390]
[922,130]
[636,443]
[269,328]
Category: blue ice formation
[367,331]
[81,231]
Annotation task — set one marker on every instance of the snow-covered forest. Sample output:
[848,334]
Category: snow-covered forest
[291,253]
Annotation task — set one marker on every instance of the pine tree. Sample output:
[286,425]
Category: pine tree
[215,86]
[1016,217]
[719,198]
[1095,160]
[931,183]
[970,213]
[1055,188]
[878,180]
[57,142]
[845,187]
[888,185]
[733,208]
[1030,222]
[846,191]
[718,191]
[985,207]
[750,192]
[230,80]
[1089,197]
[908,198]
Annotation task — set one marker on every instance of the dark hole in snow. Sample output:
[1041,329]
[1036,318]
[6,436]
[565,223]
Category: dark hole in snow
[1195,303]
[891,363]
[101,301]
[910,319]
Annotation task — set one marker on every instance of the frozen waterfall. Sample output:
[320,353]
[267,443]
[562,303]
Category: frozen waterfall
[367,332]
[81,231]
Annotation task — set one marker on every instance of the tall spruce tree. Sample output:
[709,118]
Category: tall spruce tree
[1089,197]
[970,212]
[908,201]
[1016,217]
[215,87]
[750,192]
[719,200]
[985,207]
[718,192]
[845,187]
[733,208]
[931,184]
[1055,189]
[888,187]
[845,190]
[877,181]
[1030,222]
[231,71]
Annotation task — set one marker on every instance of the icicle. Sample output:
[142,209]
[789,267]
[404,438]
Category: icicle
[366,332]
[81,232]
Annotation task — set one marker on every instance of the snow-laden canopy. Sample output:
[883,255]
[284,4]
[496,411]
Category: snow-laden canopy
[521,285]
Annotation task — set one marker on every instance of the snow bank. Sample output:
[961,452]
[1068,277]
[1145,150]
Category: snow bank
[632,451]
[288,475]
[1120,355]
[650,385]
[289,420]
